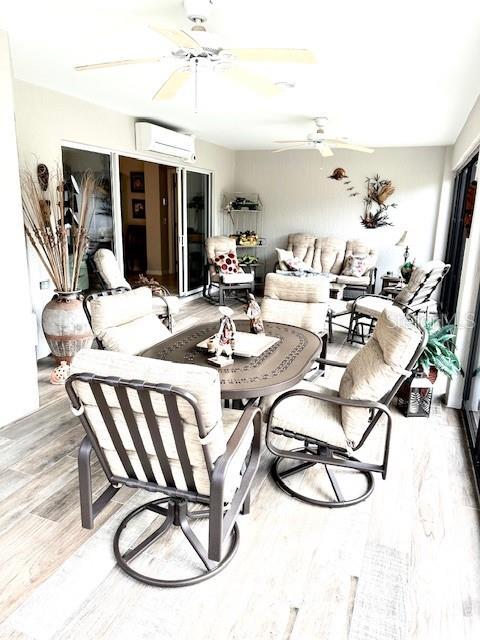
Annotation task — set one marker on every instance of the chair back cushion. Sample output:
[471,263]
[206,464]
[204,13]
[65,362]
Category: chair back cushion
[308,289]
[308,315]
[329,255]
[220,244]
[375,369]
[201,382]
[109,270]
[302,246]
[359,248]
[125,321]
[423,282]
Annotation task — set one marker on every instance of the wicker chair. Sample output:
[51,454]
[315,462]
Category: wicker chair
[159,426]
[165,306]
[332,425]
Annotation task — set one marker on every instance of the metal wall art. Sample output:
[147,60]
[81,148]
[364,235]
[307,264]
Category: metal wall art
[376,211]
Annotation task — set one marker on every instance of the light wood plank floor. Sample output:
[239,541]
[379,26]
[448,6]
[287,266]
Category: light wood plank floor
[404,564]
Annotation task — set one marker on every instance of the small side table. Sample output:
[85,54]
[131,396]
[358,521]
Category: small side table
[389,280]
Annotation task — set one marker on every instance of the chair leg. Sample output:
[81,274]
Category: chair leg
[351,324]
[175,516]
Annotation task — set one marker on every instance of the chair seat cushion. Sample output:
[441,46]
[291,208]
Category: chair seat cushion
[352,280]
[338,307]
[370,305]
[308,416]
[135,336]
[233,278]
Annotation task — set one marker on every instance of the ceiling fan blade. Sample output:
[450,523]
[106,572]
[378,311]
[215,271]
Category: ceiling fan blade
[325,150]
[294,148]
[341,144]
[116,63]
[292,56]
[290,141]
[172,85]
[179,38]
[259,84]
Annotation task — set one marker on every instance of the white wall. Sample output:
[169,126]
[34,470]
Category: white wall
[299,197]
[18,373]
[45,119]
[468,139]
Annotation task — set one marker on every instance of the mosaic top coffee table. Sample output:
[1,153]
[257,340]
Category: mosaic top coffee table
[277,369]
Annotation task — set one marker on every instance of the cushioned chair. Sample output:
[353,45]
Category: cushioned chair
[331,425]
[225,283]
[302,302]
[164,305]
[159,426]
[416,295]
[124,320]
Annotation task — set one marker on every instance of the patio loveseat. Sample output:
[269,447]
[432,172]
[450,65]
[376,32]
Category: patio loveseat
[330,255]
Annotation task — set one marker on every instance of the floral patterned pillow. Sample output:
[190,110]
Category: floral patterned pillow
[355,265]
[226,262]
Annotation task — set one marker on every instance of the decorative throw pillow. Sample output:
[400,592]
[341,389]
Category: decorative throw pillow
[295,264]
[355,265]
[282,257]
[226,262]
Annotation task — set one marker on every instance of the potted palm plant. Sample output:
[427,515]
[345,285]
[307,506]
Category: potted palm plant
[438,355]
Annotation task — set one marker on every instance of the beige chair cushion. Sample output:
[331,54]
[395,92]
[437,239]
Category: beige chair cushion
[329,255]
[307,289]
[418,286]
[371,306]
[202,382]
[110,311]
[358,280]
[308,315]
[109,270]
[357,247]
[374,370]
[308,416]
[135,336]
[302,245]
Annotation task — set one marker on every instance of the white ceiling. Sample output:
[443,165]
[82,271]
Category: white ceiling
[388,73]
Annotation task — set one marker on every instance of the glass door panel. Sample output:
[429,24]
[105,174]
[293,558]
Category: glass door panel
[471,395]
[100,226]
[195,225]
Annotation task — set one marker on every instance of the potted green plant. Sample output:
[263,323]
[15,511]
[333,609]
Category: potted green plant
[439,352]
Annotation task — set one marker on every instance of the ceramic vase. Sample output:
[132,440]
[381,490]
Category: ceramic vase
[65,325]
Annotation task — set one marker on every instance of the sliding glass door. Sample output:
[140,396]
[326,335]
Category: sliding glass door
[194,226]
[471,394]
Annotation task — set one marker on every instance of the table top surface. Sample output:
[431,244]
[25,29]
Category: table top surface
[277,369]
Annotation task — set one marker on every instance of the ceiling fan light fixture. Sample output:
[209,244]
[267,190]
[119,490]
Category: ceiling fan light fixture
[285,84]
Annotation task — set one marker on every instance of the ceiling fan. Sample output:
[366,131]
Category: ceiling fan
[200,49]
[319,142]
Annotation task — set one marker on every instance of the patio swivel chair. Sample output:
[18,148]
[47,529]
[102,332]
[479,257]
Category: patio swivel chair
[231,281]
[159,426]
[124,320]
[331,426]
[165,306]
[416,296]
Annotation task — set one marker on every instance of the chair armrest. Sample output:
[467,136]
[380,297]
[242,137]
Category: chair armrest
[368,295]
[220,525]
[331,363]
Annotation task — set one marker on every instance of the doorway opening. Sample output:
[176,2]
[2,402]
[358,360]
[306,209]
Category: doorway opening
[149,212]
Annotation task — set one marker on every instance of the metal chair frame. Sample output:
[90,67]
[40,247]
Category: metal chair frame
[222,521]
[315,451]
[224,290]
[418,303]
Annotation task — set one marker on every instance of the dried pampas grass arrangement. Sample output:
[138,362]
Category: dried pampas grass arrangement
[60,245]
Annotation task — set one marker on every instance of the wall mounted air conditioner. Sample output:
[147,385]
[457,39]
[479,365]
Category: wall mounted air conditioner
[151,137]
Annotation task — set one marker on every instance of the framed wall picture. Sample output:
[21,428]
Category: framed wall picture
[138,209]
[137,182]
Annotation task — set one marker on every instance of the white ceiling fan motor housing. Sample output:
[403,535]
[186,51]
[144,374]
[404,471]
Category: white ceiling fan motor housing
[197,10]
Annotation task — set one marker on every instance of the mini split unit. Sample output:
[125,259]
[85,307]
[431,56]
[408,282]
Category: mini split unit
[151,137]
